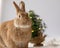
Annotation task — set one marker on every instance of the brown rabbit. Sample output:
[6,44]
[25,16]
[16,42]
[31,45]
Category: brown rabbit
[16,33]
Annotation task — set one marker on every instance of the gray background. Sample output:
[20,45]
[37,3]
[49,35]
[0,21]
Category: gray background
[49,11]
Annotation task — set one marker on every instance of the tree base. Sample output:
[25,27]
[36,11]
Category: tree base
[38,44]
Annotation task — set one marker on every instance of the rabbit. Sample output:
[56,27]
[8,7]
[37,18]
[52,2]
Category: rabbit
[16,33]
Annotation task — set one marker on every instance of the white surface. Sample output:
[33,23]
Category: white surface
[49,47]
[49,10]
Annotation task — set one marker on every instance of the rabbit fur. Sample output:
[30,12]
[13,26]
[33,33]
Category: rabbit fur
[16,33]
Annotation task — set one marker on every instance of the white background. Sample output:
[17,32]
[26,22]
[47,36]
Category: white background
[49,11]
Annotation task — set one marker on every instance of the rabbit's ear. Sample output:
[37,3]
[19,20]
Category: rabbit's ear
[22,6]
[16,6]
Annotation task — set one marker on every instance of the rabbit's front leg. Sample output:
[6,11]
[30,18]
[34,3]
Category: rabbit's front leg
[26,46]
[2,44]
[10,43]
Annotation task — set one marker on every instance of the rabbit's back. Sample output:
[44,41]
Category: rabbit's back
[3,33]
[4,28]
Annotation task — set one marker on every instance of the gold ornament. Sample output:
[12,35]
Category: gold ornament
[38,18]
[39,28]
[43,28]
[32,30]
[31,17]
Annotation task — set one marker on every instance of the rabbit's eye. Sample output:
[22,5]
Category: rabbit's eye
[19,16]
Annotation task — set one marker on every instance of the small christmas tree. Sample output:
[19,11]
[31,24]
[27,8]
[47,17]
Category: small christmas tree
[38,27]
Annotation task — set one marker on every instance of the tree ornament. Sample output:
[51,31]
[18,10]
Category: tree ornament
[39,28]
[30,17]
[32,30]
